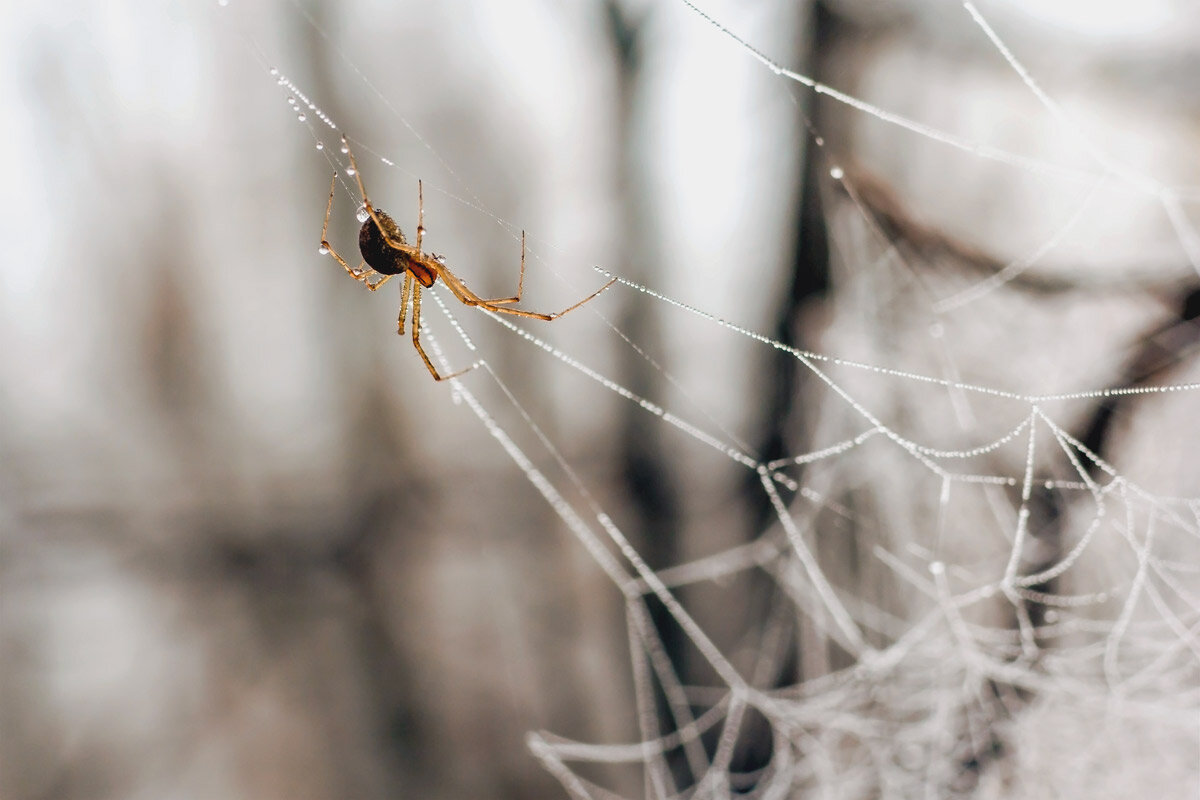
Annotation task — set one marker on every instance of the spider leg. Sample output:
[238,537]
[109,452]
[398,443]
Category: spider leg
[416,340]
[362,189]
[465,295]
[516,298]
[325,245]
[405,294]
[360,275]
[328,209]
[374,286]
[420,214]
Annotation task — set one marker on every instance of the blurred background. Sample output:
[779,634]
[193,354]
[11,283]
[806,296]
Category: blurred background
[248,548]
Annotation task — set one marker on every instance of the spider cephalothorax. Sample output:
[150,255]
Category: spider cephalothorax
[387,253]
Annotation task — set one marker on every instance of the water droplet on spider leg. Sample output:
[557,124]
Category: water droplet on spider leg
[837,173]
[362,214]
[323,250]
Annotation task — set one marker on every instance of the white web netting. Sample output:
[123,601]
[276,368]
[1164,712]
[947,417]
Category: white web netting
[965,594]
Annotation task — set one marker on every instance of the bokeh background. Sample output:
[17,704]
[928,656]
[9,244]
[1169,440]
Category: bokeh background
[249,549]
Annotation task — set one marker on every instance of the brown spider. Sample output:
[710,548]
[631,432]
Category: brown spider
[387,253]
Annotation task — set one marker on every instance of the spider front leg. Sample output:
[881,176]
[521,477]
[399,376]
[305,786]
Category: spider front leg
[362,189]
[360,275]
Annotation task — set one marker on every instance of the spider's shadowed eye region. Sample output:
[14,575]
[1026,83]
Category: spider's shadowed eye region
[386,252]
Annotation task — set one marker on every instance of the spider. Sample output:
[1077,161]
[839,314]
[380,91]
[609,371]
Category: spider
[386,252]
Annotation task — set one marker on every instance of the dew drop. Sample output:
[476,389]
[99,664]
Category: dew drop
[837,173]
[320,145]
[323,250]
[362,214]
[291,101]
[350,170]
[222,3]
[301,118]
[937,567]
[274,71]
[345,147]
[937,330]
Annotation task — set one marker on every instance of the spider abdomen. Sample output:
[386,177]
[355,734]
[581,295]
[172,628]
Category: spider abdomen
[387,259]
[379,255]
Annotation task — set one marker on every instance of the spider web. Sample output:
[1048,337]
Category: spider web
[980,602]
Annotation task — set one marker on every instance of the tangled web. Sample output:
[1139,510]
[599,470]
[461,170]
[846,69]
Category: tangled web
[1020,617]
[1096,644]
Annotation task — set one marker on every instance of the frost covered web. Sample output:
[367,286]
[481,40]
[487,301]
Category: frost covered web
[1023,614]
